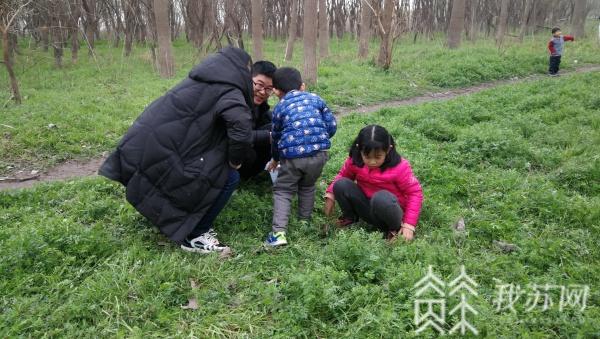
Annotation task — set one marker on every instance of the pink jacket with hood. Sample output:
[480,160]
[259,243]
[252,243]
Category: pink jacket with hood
[398,180]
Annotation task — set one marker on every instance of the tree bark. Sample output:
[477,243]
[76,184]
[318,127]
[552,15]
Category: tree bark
[385,31]
[309,38]
[457,21]
[57,46]
[323,30]
[524,20]
[502,22]
[473,30]
[166,64]
[366,14]
[129,9]
[293,30]
[73,17]
[4,31]
[579,14]
[89,9]
[257,30]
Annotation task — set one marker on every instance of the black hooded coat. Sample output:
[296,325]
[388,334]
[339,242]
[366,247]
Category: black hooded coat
[174,159]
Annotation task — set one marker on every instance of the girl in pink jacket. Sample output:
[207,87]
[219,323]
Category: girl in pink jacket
[376,185]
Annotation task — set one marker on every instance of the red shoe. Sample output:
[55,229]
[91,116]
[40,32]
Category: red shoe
[344,221]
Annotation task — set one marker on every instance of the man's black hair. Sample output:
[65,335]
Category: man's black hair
[265,68]
[555,29]
[287,79]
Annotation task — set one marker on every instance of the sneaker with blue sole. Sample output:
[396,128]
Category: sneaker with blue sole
[277,239]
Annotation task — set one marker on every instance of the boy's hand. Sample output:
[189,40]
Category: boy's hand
[272,166]
[329,206]
[407,231]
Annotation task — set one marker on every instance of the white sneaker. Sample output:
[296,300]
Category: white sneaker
[204,244]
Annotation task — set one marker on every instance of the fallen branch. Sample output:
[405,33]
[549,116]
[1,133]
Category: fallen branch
[20,179]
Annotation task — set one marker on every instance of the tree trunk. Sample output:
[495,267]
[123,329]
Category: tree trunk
[194,22]
[524,20]
[293,30]
[457,21]
[502,22]
[129,7]
[473,30]
[323,30]
[309,38]
[73,29]
[385,31]
[257,30]
[57,40]
[89,8]
[4,32]
[365,29]
[579,14]
[166,65]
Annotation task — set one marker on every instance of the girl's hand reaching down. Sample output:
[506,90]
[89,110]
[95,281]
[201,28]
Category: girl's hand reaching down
[407,231]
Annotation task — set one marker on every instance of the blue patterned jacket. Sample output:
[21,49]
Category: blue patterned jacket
[302,126]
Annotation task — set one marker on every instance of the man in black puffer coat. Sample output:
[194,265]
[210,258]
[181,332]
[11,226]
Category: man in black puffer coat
[179,159]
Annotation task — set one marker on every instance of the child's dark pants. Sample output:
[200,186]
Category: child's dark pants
[382,210]
[554,64]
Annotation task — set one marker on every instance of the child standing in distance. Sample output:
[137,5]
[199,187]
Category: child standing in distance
[302,126]
[377,185]
[556,46]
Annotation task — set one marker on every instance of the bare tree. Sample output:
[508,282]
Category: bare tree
[58,11]
[293,30]
[166,64]
[366,14]
[457,21]
[90,22]
[579,15]
[72,19]
[524,20]
[195,18]
[385,31]
[502,22]
[473,30]
[130,9]
[257,30]
[323,30]
[309,38]
[10,15]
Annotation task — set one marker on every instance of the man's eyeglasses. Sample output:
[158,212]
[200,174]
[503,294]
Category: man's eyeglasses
[260,87]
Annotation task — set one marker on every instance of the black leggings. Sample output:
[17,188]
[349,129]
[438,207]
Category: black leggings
[382,210]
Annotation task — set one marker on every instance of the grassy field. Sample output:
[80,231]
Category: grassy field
[520,163]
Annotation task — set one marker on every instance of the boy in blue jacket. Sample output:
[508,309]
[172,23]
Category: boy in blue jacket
[302,126]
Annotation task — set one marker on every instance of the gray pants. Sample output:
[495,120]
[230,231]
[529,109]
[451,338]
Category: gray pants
[296,176]
[382,210]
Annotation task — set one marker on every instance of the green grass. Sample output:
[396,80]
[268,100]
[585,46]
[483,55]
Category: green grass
[519,162]
[93,101]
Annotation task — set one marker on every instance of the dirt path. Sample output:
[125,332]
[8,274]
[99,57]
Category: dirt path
[73,169]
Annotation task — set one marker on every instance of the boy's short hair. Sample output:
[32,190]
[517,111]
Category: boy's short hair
[263,67]
[555,29]
[287,79]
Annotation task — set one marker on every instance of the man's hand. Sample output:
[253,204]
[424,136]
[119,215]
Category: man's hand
[272,165]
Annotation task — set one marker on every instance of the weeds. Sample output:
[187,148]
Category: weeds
[519,163]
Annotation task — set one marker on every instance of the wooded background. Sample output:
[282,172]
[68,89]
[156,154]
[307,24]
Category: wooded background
[55,25]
